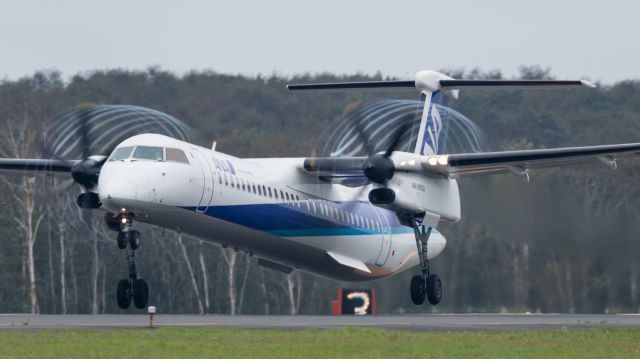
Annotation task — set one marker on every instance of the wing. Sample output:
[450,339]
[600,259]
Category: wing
[485,163]
[518,162]
[30,167]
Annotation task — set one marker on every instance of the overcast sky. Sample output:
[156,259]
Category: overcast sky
[598,40]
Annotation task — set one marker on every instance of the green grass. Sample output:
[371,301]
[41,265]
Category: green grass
[330,343]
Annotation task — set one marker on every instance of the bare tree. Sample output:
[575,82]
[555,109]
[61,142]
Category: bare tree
[191,273]
[18,141]
[294,292]
[230,256]
[205,278]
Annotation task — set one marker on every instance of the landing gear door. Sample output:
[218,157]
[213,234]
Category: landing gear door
[385,246]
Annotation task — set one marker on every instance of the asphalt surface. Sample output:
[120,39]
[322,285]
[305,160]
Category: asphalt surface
[405,322]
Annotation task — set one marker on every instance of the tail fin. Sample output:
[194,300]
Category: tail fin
[432,133]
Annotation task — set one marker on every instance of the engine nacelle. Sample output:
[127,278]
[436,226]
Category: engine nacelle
[414,194]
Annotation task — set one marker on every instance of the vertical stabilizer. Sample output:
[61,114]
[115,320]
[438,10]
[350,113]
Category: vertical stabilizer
[432,132]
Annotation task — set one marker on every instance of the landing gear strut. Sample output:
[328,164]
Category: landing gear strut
[427,285]
[133,288]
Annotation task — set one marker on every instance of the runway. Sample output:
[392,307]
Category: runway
[447,322]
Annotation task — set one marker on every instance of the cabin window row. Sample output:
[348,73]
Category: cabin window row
[258,189]
[337,214]
[317,207]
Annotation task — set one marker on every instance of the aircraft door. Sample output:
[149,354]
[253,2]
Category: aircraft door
[207,181]
[386,238]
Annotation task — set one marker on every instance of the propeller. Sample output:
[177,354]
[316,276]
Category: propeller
[379,167]
[92,133]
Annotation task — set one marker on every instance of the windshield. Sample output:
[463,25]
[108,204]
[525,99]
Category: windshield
[176,155]
[121,153]
[148,153]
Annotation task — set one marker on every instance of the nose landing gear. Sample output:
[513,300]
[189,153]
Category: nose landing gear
[132,289]
[427,285]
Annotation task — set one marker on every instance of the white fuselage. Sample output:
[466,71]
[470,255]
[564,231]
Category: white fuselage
[270,208]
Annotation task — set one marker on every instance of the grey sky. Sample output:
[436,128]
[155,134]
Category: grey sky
[587,39]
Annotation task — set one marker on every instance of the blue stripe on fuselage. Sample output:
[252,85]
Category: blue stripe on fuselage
[288,220]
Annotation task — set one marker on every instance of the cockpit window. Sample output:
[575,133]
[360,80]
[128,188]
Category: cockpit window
[121,153]
[148,153]
[176,155]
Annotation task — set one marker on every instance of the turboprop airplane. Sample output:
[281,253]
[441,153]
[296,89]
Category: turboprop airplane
[345,218]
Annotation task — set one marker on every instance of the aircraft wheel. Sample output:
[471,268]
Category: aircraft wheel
[140,293]
[434,289]
[124,293]
[417,290]
[122,240]
[134,239]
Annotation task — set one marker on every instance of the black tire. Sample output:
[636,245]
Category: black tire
[122,240]
[417,290]
[134,239]
[140,293]
[124,293]
[434,289]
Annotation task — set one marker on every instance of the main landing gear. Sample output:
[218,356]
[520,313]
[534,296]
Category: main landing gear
[427,285]
[132,289]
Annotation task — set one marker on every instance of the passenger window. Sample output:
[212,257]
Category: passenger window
[176,155]
[270,196]
[219,177]
[253,186]
[243,185]
[148,153]
[264,190]
[259,190]
[281,195]
[226,180]
[121,153]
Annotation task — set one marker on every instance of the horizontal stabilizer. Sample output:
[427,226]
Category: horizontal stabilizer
[432,81]
[349,262]
[513,84]
[353,85]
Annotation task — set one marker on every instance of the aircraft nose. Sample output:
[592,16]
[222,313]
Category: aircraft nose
[116,188]
[117,185]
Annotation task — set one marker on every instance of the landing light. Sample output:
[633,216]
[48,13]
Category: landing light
[124,221]
[438,160]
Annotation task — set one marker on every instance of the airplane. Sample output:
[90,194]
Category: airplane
[345,218]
